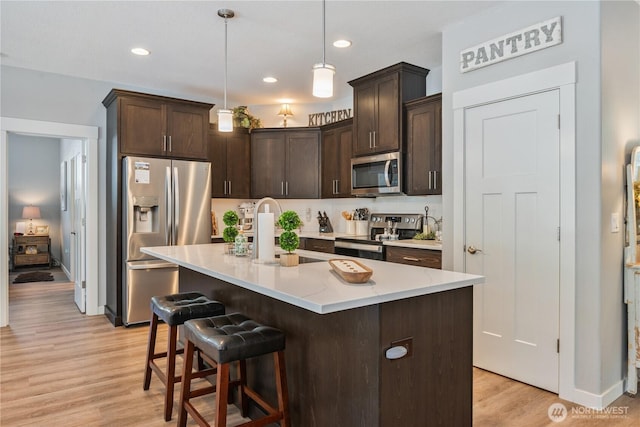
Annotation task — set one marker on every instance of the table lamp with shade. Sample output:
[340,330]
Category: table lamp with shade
[30,213]
[285,111]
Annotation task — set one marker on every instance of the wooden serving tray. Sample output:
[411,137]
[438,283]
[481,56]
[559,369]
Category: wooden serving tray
[351,270]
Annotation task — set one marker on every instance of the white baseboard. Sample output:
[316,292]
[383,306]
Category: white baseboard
[65,271]
[596,401]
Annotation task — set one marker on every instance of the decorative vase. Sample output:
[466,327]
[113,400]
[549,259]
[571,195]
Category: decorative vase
[229,248]
[289,260]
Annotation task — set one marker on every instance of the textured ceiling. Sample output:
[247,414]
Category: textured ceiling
[92,39]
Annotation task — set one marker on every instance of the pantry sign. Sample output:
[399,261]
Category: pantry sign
[536,37]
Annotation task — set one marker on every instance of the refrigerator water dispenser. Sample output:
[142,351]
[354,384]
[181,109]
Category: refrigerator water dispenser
[145,209]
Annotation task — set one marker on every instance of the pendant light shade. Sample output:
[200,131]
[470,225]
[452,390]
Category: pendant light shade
[225,116]
[225,120]
[323,80]
[323,73]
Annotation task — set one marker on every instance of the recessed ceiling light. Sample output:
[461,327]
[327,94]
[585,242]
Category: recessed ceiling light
[269,80]
[342,43]
[140,51]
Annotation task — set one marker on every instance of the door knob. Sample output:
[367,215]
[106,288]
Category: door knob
[473,250]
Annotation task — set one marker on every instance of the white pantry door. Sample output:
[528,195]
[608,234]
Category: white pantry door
[512,218]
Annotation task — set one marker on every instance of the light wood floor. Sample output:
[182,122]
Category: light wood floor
[60,368]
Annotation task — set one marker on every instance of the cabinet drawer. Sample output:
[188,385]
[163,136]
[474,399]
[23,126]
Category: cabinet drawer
[411,256]
[31,259]
[32,240]
[319,245]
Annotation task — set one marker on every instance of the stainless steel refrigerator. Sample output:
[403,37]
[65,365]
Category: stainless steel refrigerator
[165,202]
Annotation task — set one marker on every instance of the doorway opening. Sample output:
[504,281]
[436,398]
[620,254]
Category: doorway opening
[88,135]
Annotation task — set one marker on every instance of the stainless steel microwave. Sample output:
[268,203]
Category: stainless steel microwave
[378,175]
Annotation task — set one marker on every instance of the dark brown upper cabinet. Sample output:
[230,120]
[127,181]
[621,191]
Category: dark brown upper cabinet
[285,163]
[230,157]
[150,125]
[337,140]
[377,99]
[423,159]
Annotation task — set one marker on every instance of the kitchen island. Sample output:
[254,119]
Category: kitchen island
[338,334]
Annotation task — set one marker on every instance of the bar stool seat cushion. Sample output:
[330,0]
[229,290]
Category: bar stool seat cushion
[233,337]
[175,309]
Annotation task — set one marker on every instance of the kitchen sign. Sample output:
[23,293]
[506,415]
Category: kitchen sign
[536,37]
[319,119]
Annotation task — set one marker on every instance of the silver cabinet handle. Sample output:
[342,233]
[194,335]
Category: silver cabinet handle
[410,258]
[170,146]
[286,188]
[473,250]
[225,188]
[337,186]
[374,139]
[435,180]
[282,187]
[164,142]
[430,184]
[229,187]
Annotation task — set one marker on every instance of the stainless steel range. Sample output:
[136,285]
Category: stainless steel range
[382,226]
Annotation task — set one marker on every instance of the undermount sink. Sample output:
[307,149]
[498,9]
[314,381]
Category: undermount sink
[305,260]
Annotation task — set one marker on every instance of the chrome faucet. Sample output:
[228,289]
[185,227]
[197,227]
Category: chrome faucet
[256,209]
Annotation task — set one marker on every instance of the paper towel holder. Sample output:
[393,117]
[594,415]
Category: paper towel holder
[265,201]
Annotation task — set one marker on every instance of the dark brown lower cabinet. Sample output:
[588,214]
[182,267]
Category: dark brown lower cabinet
[337,372]
[411,256]
[318,245]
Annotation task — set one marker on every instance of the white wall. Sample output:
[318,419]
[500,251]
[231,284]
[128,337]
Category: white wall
[598,309]
[620,68]
[34,179]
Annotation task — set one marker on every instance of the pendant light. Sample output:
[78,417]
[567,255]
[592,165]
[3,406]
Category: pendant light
[225,116]
[323,72]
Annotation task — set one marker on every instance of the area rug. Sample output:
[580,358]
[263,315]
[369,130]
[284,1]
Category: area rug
[34,276]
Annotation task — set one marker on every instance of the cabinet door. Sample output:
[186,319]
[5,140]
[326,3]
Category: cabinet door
[303,165]
[364,120]
[345,139]
[336,162]
[142,127]
[239,166]
[218,158]
[424,148]
[187,128]
[267,164]
[388,115]
[330,163]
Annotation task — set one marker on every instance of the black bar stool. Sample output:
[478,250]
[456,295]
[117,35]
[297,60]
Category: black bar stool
[174,310]
[223,340]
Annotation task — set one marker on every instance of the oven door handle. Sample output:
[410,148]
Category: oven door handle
[359,246]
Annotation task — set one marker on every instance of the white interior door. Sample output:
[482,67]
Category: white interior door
[78,231]
[512,218]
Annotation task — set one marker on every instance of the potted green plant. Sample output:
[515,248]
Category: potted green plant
[230,219]
[289,240]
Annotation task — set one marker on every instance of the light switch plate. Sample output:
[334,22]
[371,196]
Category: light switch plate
[615,223]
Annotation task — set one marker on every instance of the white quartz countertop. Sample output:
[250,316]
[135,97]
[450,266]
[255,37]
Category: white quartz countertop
[407,243]
[314,286]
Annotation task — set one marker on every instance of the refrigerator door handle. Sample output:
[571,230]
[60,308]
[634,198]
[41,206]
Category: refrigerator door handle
[150,265]
[168,207]
[176,206]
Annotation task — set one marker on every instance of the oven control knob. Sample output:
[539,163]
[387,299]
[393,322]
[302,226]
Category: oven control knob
[413,220]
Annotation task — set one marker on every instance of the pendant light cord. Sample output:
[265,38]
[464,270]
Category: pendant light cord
[323,32]
[225,62]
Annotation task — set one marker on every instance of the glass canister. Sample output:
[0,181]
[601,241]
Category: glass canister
[241,245]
